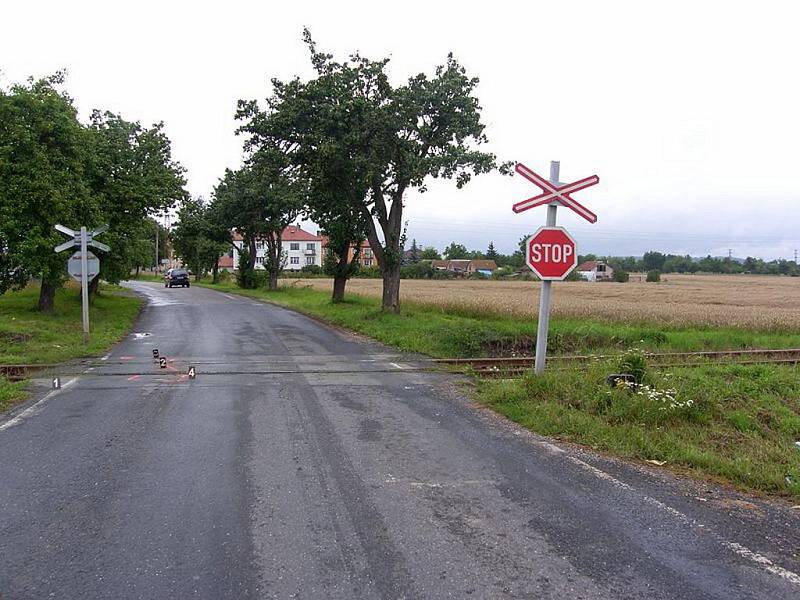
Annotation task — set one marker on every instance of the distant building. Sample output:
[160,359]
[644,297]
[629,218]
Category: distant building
[465,266]
[300,248]
[595,270]
[366,257]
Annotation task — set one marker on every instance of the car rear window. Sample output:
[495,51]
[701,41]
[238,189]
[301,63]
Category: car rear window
[178,272]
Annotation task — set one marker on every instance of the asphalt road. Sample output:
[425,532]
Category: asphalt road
[305,463]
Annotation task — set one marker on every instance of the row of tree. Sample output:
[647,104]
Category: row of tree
[343,149]
[56,169]
[673,263]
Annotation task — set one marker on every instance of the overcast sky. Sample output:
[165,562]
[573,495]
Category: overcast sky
[687,111]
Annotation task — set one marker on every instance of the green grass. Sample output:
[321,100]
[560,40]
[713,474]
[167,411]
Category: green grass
[11,393]
[28,336]
[737,423]
[739,427]
[456,333]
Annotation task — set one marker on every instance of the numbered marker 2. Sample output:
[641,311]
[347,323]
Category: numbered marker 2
[162,362]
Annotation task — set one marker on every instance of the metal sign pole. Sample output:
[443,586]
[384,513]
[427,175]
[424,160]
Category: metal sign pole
[544,297]
[85,285]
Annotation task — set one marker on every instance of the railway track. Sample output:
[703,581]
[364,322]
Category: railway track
[500,367]
[511,366]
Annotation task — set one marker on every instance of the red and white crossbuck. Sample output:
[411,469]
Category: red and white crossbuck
[556,193]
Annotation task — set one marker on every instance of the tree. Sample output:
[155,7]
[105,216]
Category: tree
[491,253]
[401,136]
[653,261]
[319,137]
[414,252]
[430,253]
[455,251]
[197,239]
[42,162]
[133,177]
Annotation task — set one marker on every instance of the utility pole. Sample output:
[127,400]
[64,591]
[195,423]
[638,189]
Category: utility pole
[795,256]
[730,253]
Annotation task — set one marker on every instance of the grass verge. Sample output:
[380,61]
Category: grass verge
[732,423]
[28,336]
[737,423]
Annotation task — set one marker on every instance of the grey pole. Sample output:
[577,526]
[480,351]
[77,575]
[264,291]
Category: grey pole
[85,286]
[544,297]
[155,269]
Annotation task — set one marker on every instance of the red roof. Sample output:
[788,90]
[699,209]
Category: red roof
[225,262]
[293,233]
[589,265]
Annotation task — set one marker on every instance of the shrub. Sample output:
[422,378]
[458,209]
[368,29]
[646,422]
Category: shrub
[653,276]
[621,276]
[420,270]
[311,270]
[634,362]
[373,272]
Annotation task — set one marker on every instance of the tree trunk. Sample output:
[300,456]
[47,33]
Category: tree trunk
[341,275]
[273,280]
[391,289]
[94,288]
[137,271]
[215,273]
[47,295]
[339,283]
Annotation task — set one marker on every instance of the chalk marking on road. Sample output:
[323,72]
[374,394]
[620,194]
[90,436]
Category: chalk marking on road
[397,366]
[35,408]
[735,547]
[229,297]
[765,563]
[133,377]
[106,357]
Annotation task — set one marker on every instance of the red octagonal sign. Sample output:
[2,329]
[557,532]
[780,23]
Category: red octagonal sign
[551,253]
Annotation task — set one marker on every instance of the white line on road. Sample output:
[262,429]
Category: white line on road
[738,549]
[35,408]
[395,365]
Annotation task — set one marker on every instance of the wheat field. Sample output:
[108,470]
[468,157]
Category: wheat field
[745,301]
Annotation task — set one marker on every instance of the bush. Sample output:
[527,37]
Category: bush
[621,276]
[420,270]
[634,362]
[369,272]
[311,270]
[653,276]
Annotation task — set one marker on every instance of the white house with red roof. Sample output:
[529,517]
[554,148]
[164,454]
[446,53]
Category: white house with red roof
[300,248]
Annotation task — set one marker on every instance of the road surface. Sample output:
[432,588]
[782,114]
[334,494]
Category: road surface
[303,462]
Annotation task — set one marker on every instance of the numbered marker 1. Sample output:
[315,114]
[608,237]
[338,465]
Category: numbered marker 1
[56,383]
[162,362]
[192,373]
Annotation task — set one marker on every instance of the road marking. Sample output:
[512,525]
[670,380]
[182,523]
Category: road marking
[133,377]
[395,365]
[735,547]
[35,408]
[765,563]
[105,357]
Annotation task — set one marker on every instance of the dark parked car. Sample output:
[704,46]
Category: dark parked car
[176,277]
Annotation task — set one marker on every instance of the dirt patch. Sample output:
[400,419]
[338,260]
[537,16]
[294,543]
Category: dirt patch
[14,338]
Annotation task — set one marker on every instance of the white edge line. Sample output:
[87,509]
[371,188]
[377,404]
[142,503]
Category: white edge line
[735,547]
[33,409]
[396,366]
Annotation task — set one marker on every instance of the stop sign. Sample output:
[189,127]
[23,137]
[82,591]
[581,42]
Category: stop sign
[551,253]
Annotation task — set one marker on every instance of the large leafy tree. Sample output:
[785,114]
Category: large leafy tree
[42,182]
[198,239]
[259,201]
[320,137]
[398,137]
[132,177]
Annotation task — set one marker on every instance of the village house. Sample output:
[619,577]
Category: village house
[300,248]
[466,267]
[595,270]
